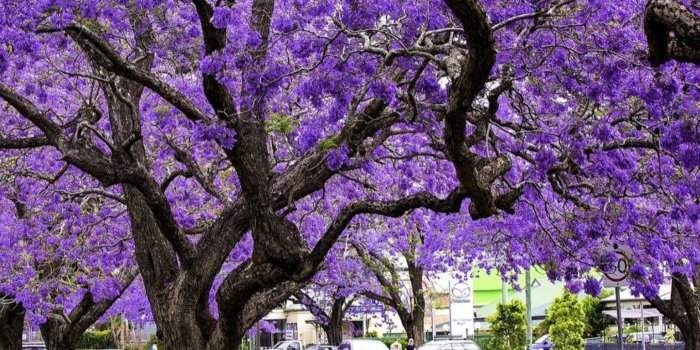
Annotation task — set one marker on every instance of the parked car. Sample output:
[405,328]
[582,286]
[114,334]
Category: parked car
[450,345]
[322,347]
[543,343]
[362,344]
[289,345]
[33,346]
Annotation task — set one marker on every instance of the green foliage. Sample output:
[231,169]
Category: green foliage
[327,144]
[390,340]
[567,323]
[96,340]
[670,336]
[482,340]
[596,320]
[508,327]
[542,328]
[134,347]
[154,340]
[372,334]
[280,123]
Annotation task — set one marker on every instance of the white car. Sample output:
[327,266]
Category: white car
[289,345]
[450,345]
[543,343]
[362,344]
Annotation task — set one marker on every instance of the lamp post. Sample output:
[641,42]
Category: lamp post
[528,304]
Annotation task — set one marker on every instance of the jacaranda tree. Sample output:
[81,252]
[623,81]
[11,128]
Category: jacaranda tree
[220,126]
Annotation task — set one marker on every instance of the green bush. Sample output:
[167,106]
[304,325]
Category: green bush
[482,340]
[96,340]
[134,347]
[390,340]
[567,321]
[508,327]
[154,340]
[596,320]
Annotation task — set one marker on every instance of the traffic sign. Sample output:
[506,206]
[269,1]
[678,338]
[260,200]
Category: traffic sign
[621,268]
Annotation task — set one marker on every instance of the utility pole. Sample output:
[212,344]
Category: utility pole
[620,343]
[504,291]
[528,305]
[449,300]
[432,317]
[641,309]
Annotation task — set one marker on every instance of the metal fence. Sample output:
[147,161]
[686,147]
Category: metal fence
[614,346]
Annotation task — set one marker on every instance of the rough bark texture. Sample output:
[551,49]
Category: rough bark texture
[11,326]
[683,309]
[673,32]
[178,274]
[331,320]
[334,330]
[62,332]
[57,334]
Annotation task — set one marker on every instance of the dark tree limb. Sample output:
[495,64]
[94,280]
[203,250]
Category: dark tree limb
[672,31]
[105,56]
[11,324]
[61,332]
[29,142]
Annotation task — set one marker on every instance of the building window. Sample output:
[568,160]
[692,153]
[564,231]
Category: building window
[270,339]
[291,332]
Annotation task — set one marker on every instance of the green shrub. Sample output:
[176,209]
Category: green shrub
[390,340]
[154,340]
[96,340]
[567,321]
[508,327]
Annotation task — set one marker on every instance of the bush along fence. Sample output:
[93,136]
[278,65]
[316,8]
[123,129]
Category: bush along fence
[614,346]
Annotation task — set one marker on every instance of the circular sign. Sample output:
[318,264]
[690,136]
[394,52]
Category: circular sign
[621,267]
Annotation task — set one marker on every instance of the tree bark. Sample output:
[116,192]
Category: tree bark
[11,326]
[178,274]
[683,309]
[57,335]
[418,311]
[672,31]
[334,330]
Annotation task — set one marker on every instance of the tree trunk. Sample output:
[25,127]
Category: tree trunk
[414,328]
[334,333]
[11,326]
[692,339]
[418,331]
[683,309]
[55,334]
[415,273]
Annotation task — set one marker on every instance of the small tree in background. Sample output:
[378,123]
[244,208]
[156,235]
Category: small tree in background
[596,320]
[508,327]
[567,321]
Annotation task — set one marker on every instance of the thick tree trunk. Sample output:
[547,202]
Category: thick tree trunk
[56,335]
[414,327]
[415,273]
[692,339]
[334,333]
[11,326]
[334,329]
[683,309]
[418,331]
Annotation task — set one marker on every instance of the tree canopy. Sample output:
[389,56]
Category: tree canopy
[224,147]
